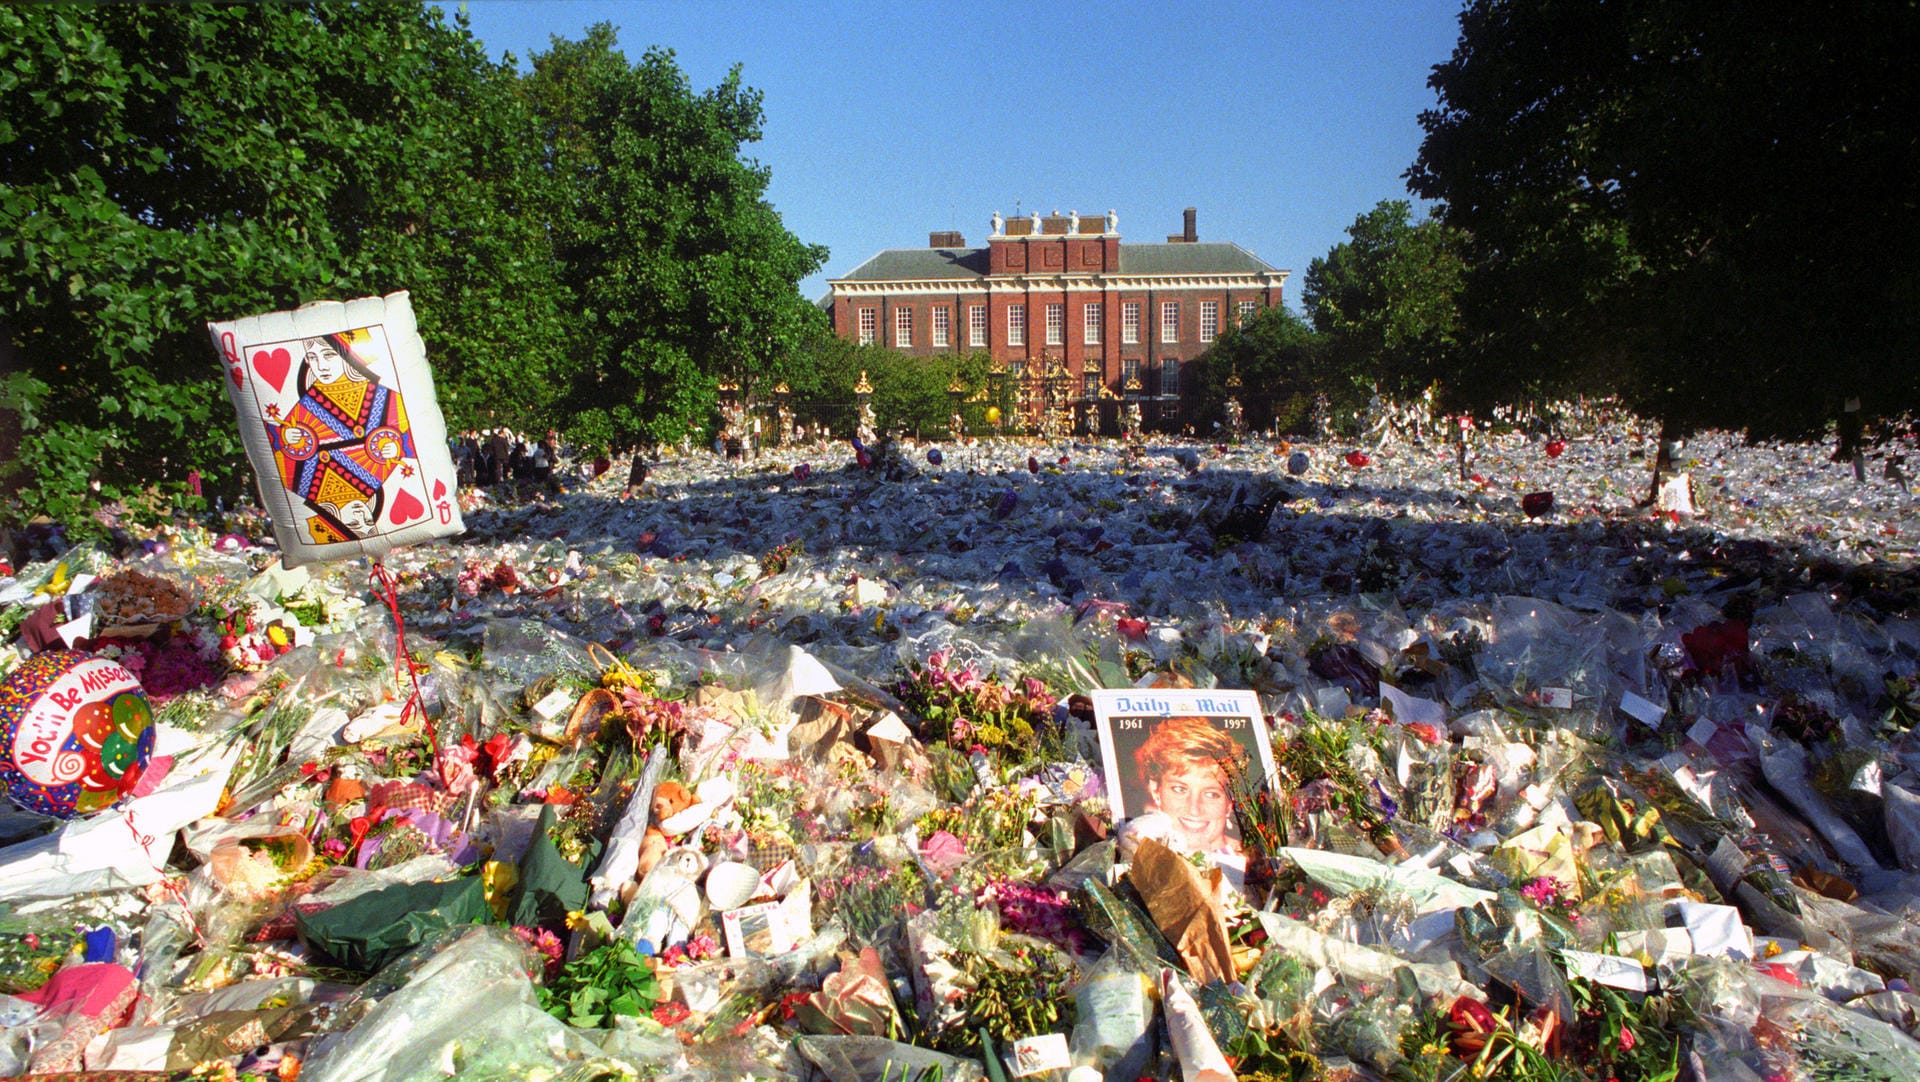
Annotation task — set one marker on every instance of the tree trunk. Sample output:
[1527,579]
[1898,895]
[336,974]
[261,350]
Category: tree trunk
[1662,459]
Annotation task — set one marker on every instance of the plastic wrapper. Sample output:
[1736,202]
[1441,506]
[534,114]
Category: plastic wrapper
[1756,1023]
[869,1059]
[1121,922]
[1114,1015]
[1357,963]
[467,1011]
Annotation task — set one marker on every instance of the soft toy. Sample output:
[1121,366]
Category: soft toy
[670,798]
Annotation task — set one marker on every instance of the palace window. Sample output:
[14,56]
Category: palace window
[977,326]
[1090,324]
[942,326]
[1016,324]
[869,325]
[1130,323]
[1209,320]
[1247,309]
[1169,321]
[1056,324]
[903,327]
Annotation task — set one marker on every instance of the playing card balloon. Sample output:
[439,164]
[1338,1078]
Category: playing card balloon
[75,733]
[338,416]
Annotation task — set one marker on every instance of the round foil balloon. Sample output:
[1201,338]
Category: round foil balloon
[75,733]
[993,415]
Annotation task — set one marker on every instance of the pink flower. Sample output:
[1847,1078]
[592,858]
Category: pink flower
[1542,892]
[1627,1039]
[546,943]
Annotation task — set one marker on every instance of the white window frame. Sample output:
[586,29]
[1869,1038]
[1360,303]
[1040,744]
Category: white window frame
[1169,322]
[1091,315]
[869,317]
[1016,324]
[977,326]
[1209,320]
[1130,372]
[1056,317]
[1130,323]
[1170,376]
[903,328]
[942,326]
[1248,309]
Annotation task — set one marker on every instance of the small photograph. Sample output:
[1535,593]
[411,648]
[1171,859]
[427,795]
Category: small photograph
[1170,754]
[754,930]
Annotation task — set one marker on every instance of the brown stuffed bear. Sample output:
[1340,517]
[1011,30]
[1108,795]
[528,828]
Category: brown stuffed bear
[670,798]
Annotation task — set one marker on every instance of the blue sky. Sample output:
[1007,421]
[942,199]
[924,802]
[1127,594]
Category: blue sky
[1280,122]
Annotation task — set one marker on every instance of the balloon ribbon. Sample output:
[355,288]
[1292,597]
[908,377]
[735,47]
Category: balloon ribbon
[403,661]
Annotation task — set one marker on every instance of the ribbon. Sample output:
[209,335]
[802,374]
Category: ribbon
[385,589]
[170,885]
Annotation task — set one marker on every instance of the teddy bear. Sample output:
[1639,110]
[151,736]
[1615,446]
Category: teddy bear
[670,798]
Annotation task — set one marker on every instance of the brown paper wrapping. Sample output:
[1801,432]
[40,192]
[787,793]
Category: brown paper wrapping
[1184,906]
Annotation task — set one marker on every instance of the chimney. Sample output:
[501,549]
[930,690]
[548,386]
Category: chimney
[946,239]
[1188,234]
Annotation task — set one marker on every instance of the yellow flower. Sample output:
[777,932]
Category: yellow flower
[576,920]
[497,882]
[58,584]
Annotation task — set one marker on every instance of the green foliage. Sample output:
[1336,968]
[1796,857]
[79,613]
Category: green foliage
[909,392]
[1278,359]
[166,166]
[679,272]
[1386,301]
[609,980]
[1023,989]
[585,247]
[1713,217]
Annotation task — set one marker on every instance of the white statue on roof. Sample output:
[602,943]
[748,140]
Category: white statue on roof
[1073,221]
[998,224]
[1113,221]
[1036,223]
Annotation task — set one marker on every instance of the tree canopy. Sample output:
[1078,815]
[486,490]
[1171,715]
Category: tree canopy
[582,240]
[1276,356]
[680,272]
[1386,300]
[1712,215]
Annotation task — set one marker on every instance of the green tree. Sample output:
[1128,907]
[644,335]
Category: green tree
[1276,356]
[1713,216]
[1386,301]
[680,274]
[909,392]
[163,166]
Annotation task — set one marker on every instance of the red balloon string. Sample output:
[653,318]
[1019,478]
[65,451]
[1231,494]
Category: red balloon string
[169,884]
[389,593]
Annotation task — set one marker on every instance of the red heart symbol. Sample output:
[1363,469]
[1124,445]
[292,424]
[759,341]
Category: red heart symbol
[439,488]
[235,373]
[273,366]
[406,508]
